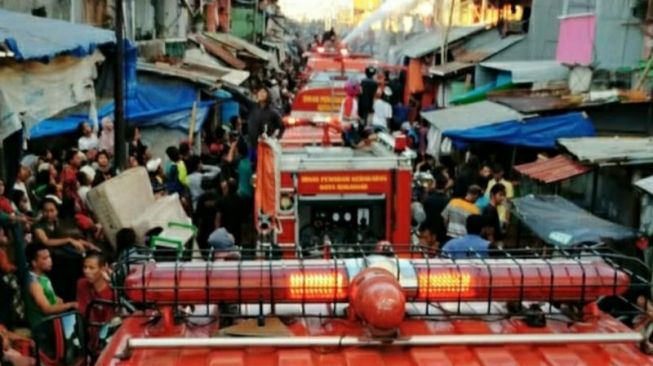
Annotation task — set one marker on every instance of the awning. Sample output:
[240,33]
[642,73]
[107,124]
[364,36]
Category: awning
[29,37]
[645,184]
[530,71]
[538,132]
[428,42]
[552,170]
[151,106]
[450,68]
[610,150]
[559,222]
[470,116]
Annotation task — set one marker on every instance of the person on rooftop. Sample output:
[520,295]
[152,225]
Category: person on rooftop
[263,120]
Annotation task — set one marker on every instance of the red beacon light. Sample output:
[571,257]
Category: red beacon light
[322,280]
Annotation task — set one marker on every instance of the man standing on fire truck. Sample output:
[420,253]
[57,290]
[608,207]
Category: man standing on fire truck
[264,119]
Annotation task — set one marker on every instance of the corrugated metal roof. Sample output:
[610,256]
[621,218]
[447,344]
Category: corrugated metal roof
[220,52]
[239,45]
[552,170]
[555,354]
[471,115]
[646,184]
[531,71]
[450,68]
[484,51]
[425,43]
[610,150]
[532,103]
[29,37]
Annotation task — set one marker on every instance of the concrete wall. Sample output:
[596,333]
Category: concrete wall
[174,19]
[55,8]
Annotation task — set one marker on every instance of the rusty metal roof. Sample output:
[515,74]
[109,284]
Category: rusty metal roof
[552,170]
[424,43]
[450,68]
[531,103]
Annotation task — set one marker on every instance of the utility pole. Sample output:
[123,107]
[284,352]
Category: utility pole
[118,91]
[444,50]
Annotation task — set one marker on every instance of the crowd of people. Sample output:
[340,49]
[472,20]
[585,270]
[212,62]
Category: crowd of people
[463,216]
[65,244]
[63,240]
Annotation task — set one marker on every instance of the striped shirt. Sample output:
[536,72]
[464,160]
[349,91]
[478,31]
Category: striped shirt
[456,214]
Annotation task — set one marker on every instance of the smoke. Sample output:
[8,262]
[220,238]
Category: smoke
[378,15]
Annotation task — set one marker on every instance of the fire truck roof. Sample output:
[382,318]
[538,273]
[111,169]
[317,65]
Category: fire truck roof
[378,156]
[589,353]
[317,312]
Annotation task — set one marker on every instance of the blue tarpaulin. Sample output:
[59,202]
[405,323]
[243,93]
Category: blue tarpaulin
[539,132]
[151,106]
[30,37]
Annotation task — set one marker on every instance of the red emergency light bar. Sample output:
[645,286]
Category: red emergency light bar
[319,281]
[506,282]
[244,282]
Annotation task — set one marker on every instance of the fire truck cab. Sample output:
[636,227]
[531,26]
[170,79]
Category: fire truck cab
[323,81]
[331,193]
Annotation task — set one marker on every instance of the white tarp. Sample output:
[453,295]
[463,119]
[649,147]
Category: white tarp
[32,91]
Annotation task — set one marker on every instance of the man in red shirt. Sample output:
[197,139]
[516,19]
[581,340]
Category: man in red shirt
[95,287]
[69,172]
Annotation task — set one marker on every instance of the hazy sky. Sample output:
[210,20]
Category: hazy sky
[312,9]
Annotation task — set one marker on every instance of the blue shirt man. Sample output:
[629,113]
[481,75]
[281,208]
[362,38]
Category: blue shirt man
[470,245]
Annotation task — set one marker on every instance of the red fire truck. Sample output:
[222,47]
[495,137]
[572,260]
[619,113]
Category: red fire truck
[377,310]
[323,81]
[316,190]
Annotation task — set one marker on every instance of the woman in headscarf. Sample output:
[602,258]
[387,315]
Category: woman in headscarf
[107,136]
